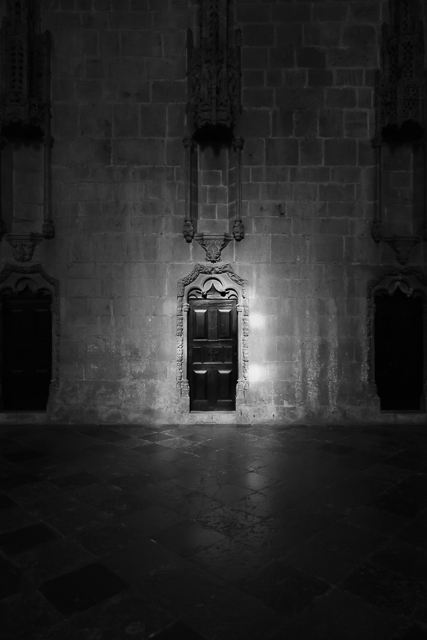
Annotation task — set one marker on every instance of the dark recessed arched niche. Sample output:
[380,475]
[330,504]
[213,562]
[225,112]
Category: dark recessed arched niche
[398,340]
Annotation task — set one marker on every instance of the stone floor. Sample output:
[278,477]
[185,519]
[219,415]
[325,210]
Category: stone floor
[213,532]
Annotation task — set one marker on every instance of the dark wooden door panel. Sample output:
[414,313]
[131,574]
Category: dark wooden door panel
[212,355]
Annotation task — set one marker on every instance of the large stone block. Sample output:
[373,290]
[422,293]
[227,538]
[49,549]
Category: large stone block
[281,57]
[126,121]
[311,152]
[340,152]
[258,35]
[337,192]
[96,120]
[281,151]
[324,35]
[142,151]
[259,98]
[289,249]
[328,249]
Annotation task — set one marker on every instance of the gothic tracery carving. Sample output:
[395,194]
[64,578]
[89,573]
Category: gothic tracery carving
[401,116]
[213,70]
[213,100]
[24,56]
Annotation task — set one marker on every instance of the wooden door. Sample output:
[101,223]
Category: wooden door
[399,351]
[26,352]
[212,355]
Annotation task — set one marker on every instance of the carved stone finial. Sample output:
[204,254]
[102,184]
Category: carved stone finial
[213,244]
[238,230]
[402,246]
[23,246]
[188,230]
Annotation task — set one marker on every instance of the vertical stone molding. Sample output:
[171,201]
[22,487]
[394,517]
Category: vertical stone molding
[196,279]
[400,135]
[213,141]
[25,166]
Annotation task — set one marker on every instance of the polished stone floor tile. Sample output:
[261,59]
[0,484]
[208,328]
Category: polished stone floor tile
[21,540]
[300,532]
[178,631]
[82,588]
[6,503]
[337,615]
[386,589]
[187,538]
[10,579]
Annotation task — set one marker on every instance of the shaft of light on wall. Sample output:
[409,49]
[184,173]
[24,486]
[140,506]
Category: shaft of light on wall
[256,321]
[257,372]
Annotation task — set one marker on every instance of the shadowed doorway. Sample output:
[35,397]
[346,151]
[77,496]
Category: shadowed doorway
[26,349]
[399,350]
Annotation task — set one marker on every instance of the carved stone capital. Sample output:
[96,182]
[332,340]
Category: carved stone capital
[23,245]
[213,244]
[402,246]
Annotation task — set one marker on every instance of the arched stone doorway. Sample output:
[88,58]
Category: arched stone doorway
[28,338]
[398,336]
[212,339]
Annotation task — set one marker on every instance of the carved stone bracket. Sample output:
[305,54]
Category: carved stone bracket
[402,246]
[213,244]
[23,245]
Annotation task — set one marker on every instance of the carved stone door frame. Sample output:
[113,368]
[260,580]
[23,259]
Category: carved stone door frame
[200,277]
[410,281]
[15,278]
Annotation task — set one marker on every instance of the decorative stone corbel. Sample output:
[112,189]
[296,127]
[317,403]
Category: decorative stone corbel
[402,246]
[23,245]
[213,244]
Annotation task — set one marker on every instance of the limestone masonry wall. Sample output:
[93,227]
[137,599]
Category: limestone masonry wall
[118,114]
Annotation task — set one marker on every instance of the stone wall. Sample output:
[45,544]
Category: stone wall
[118,108]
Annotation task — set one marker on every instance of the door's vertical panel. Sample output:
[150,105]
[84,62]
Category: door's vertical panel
[200,320]
[225,323]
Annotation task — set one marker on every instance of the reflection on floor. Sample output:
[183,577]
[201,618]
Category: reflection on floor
[213,532]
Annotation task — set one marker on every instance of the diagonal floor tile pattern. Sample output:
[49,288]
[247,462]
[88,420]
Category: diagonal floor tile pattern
[213,532]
